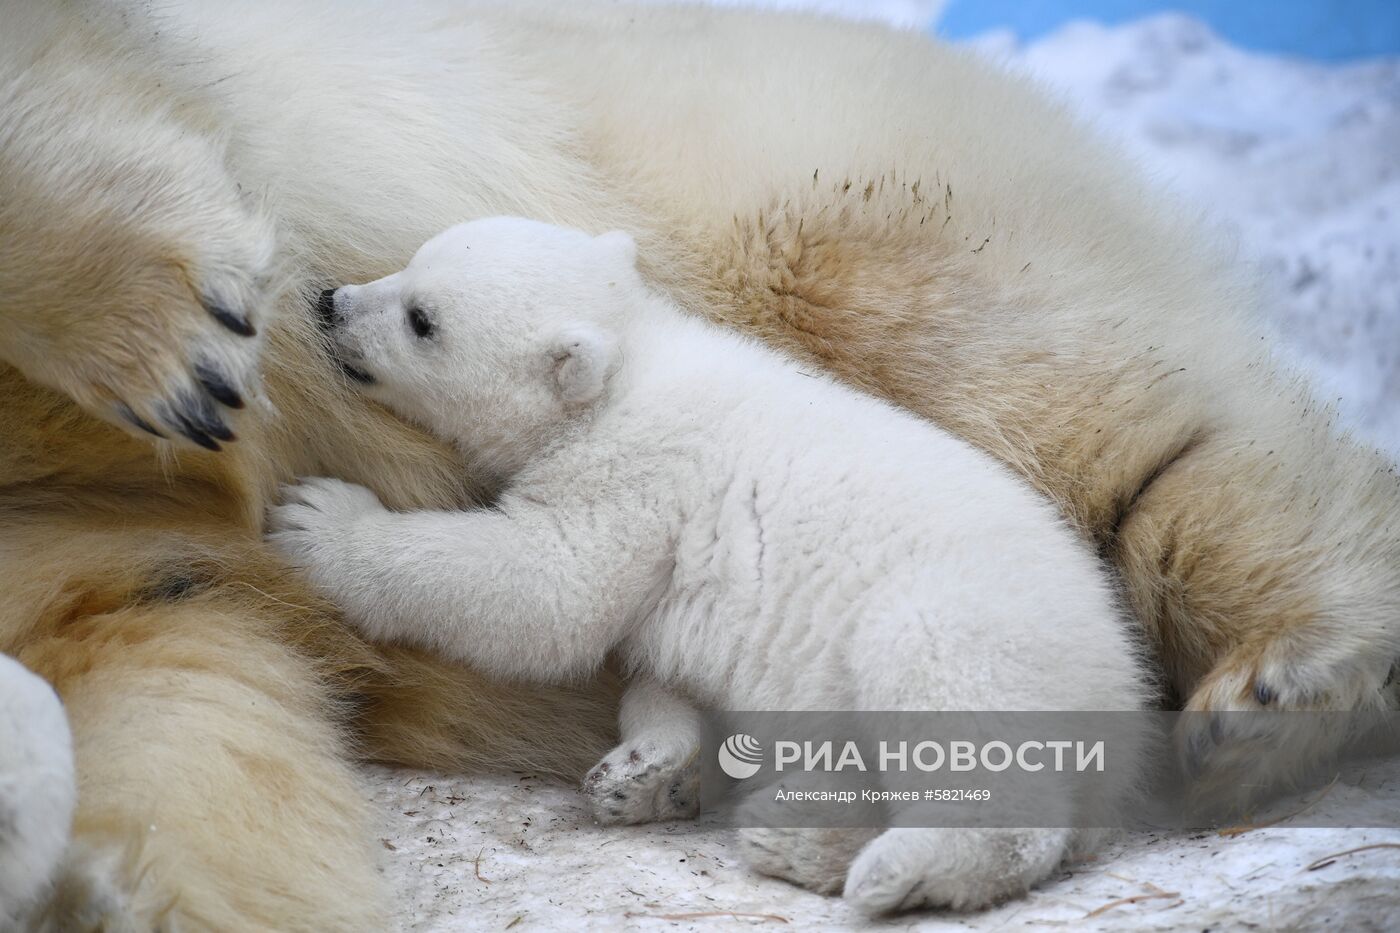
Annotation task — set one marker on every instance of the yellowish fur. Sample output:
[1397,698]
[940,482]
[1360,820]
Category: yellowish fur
[928,229]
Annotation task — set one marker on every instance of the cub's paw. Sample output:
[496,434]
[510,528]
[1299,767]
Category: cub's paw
[962,869]
[644,782]
[816,859]
[314,514]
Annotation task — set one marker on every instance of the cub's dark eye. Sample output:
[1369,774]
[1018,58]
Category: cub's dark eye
[422,326]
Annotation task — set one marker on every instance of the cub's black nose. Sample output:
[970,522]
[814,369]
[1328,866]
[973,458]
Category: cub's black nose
[325,308]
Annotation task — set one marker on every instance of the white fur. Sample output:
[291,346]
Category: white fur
[654,772]
[888,208]
[37,791]
[751,534]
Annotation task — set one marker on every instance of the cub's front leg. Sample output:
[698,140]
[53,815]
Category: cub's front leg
[337,533]
[519,591]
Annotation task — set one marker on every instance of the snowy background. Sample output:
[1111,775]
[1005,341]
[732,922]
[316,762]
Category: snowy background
[1300,162]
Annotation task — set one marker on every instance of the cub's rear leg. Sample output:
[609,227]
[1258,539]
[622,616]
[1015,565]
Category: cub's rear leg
[36,789]
[902,868]
[135,273]
[814,858]
[923,646]
[653,774]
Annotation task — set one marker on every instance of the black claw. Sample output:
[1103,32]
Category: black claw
[197,419]
[215,384]
[222,431]
[199,413]
[199,437]
[234,322]
[132,418]
[1262,694]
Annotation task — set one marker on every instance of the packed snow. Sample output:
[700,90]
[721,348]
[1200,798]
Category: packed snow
[1301,163]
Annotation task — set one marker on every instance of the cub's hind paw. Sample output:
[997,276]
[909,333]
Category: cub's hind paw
[816,859]
[961,869]
[644,782]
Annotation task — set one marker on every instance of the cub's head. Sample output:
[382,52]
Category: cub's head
[497,333]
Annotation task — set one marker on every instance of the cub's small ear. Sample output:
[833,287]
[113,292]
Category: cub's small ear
[582,359]
[619,243]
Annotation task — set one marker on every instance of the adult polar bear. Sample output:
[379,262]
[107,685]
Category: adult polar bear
[174,178]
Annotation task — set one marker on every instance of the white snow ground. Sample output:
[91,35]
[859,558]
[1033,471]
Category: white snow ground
[1302,162]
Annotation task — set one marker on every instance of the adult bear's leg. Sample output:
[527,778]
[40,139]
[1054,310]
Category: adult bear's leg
[214,790]
[1264,562]
[213,701]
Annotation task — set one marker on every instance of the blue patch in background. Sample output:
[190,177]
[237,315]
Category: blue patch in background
[1332,31]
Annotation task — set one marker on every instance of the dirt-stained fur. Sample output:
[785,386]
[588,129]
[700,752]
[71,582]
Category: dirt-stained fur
[178,181]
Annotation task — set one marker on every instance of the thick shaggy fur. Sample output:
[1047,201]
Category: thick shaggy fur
[748,534]
[918,224]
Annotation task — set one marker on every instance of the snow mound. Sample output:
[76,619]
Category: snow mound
[1300,162]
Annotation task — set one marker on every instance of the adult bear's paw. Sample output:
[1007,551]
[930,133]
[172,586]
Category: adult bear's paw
[1268,719]
[138,274]
[169,348]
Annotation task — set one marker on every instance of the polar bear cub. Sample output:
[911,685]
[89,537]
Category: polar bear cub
[736,528]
